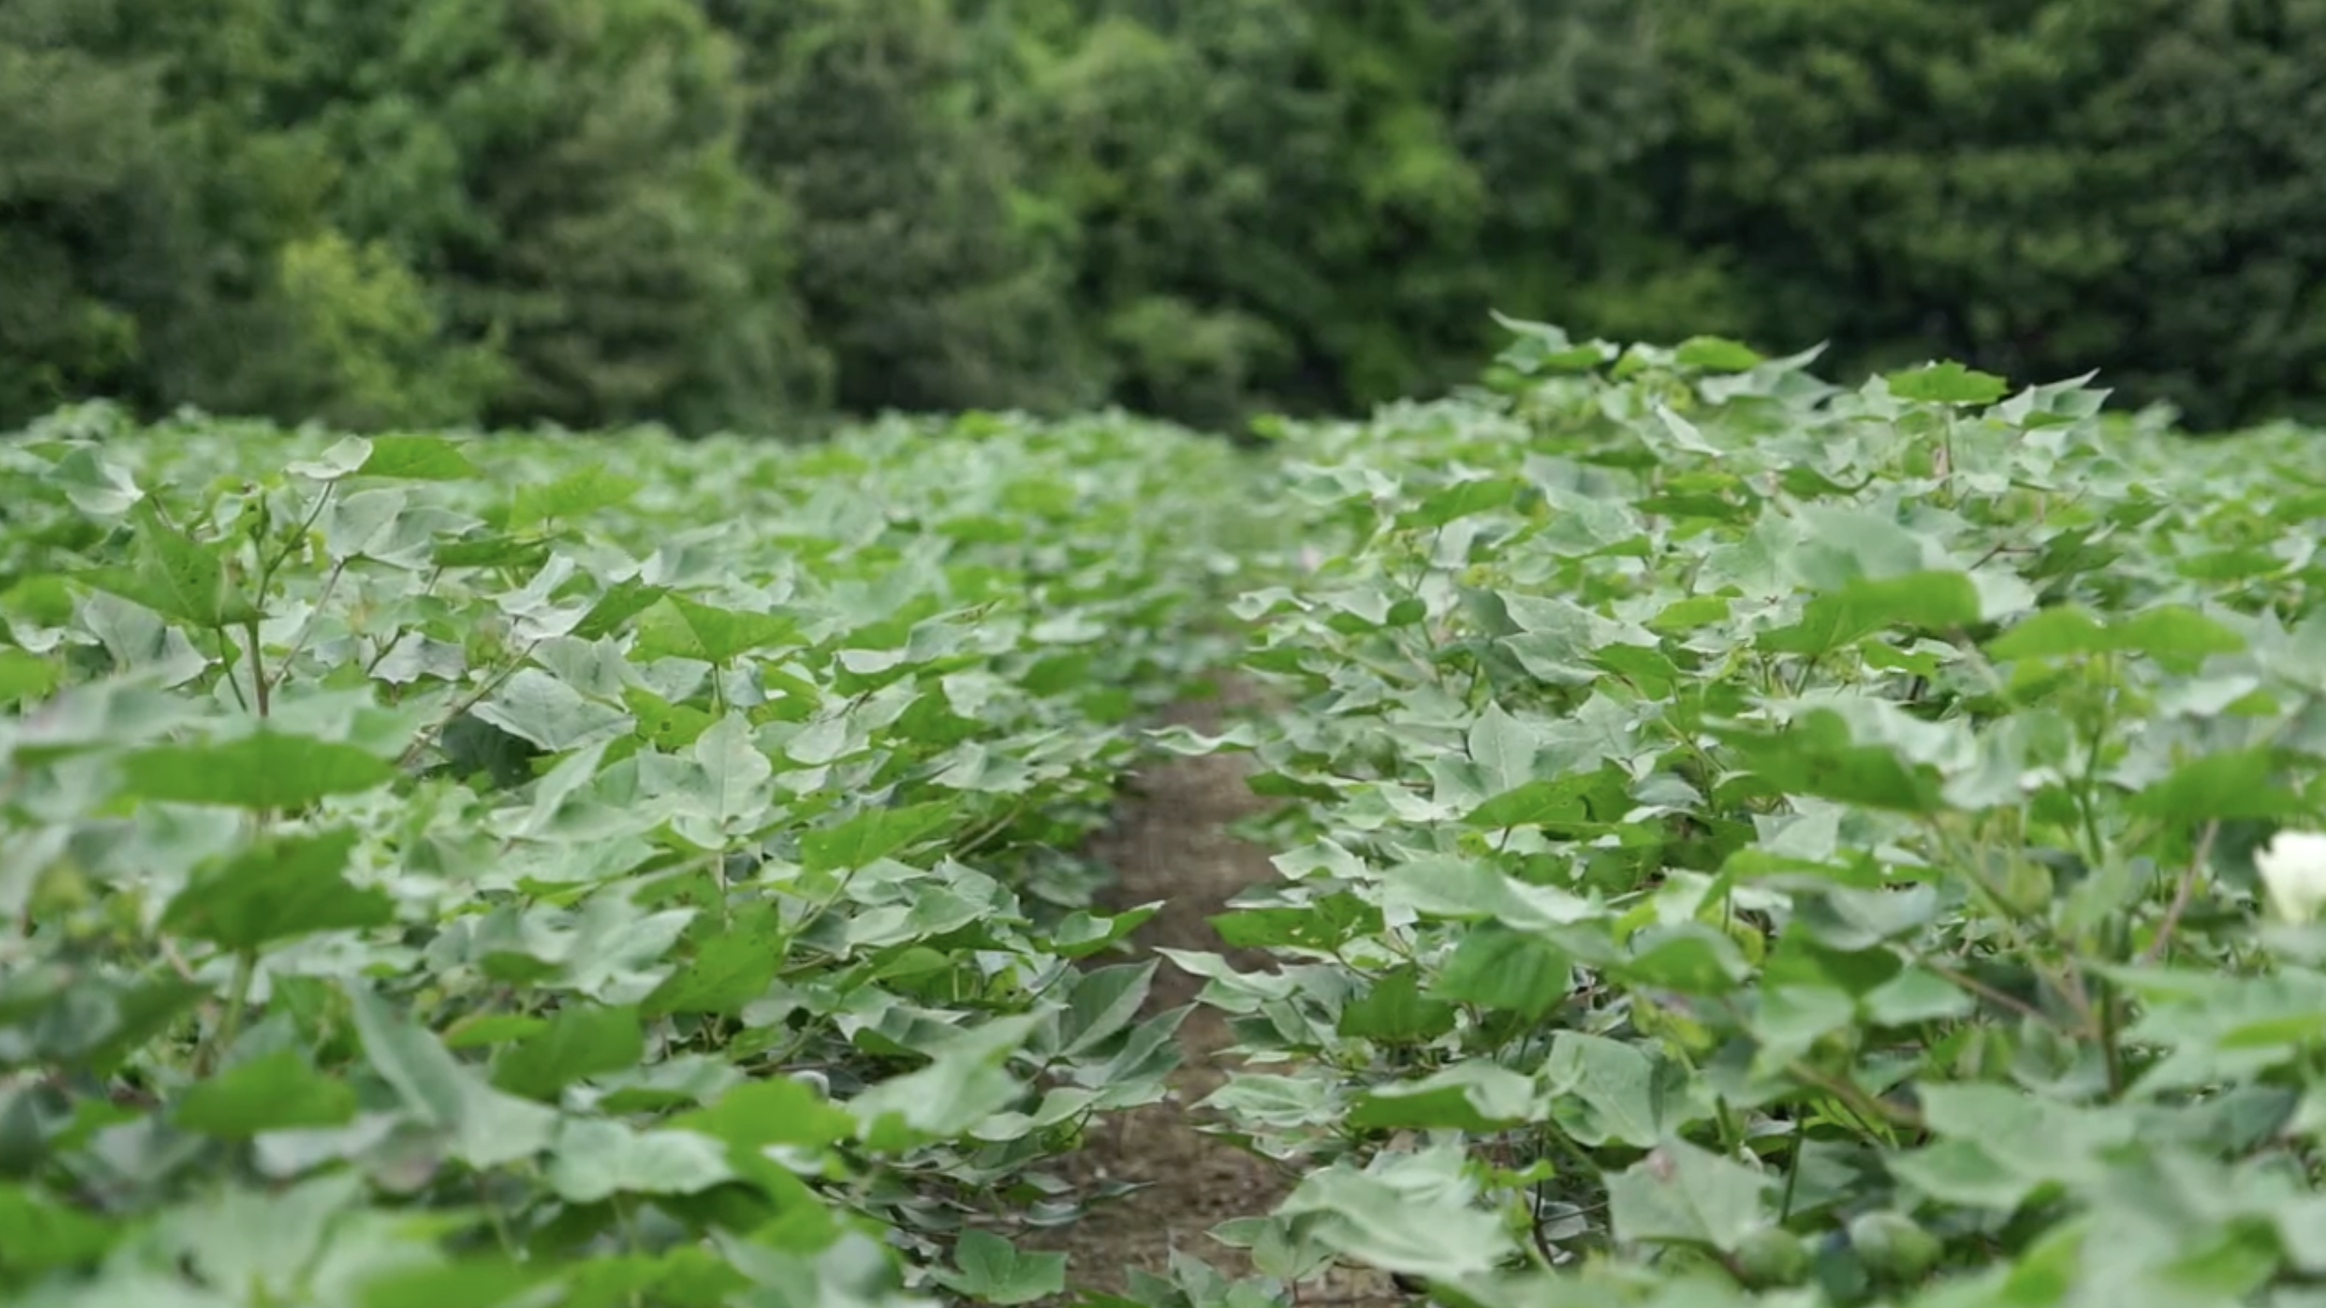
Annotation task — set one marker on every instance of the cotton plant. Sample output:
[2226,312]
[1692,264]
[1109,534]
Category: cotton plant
[1735,820]
[603,870]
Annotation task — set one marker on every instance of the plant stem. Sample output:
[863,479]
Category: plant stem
[466,702]
[307,628]
[1983,990]
[258,672]
[229,1026]
[500,1220]
[2111,1048]
[226,661]
[2182,893]
[1793,1168]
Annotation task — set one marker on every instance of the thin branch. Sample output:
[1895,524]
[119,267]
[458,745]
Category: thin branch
[466,702]
[307,628]
[1987,992]
[1870,1106]
[2182,893]
[226,661]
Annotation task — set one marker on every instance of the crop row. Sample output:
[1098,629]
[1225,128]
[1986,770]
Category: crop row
[573,870]
[1746,839]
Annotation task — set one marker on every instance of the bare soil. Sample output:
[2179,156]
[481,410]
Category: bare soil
[1169,843]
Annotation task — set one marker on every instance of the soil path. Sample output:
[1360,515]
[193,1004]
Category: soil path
[1169,843]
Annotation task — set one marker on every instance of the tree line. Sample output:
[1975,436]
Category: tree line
[749,213]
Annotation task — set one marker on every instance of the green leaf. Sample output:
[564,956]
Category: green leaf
[571,496]
[2172,632]
[734,774]
[279,887]
[491,1029]
[1414,1219]
[757,1114]
[622,601]
[1946,383]
[1461,500]
[176,576]
[468,1283]
[1716,354]
[490,551]
[1472,1096]
[685,1276]
[86,1020]
[1504,750]
[992,1270]
[1082,933]
[39,1234]
[729,970]
[536,707]
[1101,1004]
[1690,613]
[593,1159]
[2229,785]
[1323,925]
[265,769]
[1460,888]
[1789,1020]
[96,485]
[1681,1194]
[1536,803]
[486,1128]
[579,1042]
[677,627]
[1604,1090]
[1502,970]
[2062,632]
[1819,755]
[417,458]
[1995,1146]
[1917,995]
[1839,546]
[25,676]
[1393,1010]
[964,1083]
[1691,958]
[871,835]
[340,460]
[272,1092]
[1925,600]
[669,727]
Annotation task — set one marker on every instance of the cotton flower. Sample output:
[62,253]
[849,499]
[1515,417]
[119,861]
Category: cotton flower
[2293,871]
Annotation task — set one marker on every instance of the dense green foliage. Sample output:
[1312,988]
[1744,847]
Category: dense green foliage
[1743,840]
[1751,840]
[596,846]
[743,213]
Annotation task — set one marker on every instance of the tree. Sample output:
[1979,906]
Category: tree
[84,230]
[562,173]
[2037,189]
[1561,109]
[1310,205]
[169,244]
[924,265]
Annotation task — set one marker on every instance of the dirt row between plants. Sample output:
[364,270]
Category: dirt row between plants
[1170,843]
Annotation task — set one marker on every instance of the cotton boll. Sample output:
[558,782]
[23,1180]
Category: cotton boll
[2293,871]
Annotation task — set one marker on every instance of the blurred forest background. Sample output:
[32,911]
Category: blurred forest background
[752,213]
